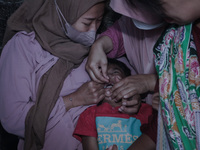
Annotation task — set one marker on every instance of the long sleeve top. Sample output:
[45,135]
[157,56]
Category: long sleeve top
[22,64]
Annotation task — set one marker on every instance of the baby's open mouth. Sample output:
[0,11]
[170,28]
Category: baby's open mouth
[107,86]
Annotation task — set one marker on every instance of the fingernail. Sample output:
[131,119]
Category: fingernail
[124,103]
[108,92]
[125,96]
[110,148]
[120,109]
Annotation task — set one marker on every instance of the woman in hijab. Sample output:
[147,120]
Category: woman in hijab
[134,34]
[41,80]
[177,60]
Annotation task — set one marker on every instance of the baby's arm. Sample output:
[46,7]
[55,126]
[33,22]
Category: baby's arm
[89,143]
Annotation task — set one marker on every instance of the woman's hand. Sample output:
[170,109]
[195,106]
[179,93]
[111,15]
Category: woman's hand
[133,85]
[131,105]
[96,64]
[129,90]
[89,93]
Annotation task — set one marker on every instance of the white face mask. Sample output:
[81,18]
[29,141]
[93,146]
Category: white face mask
[85,38]
[144,26]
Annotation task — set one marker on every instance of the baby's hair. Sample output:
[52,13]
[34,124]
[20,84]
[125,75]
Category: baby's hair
[122,65]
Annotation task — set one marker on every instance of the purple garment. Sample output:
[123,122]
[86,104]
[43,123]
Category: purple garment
[137,11]
[22,63]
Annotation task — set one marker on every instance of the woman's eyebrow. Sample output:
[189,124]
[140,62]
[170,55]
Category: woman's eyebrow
[91,19]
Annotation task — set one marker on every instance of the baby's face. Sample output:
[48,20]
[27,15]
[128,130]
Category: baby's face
[115,73]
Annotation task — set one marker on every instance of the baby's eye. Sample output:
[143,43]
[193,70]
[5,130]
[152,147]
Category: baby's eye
[116,72]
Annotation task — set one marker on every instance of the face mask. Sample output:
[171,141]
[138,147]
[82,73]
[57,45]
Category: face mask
[144,26]
[85,38]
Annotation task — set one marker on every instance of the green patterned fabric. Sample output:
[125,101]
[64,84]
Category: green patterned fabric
[179,85]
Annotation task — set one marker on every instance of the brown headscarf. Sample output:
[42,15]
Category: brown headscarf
[41,17]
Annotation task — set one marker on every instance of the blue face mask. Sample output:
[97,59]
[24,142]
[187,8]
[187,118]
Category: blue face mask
[144,26]
[85,38]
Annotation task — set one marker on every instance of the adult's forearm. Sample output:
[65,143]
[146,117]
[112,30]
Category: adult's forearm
[104,43]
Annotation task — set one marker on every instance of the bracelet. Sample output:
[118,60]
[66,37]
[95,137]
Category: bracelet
[70,99]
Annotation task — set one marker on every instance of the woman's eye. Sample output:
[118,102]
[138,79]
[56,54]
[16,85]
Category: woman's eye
[99,20]
[87,24]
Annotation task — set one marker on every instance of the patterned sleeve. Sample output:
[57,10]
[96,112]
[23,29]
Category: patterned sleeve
[114,32]
[86,124]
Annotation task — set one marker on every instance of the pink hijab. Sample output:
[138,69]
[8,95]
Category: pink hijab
[138,12]
[138,43]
